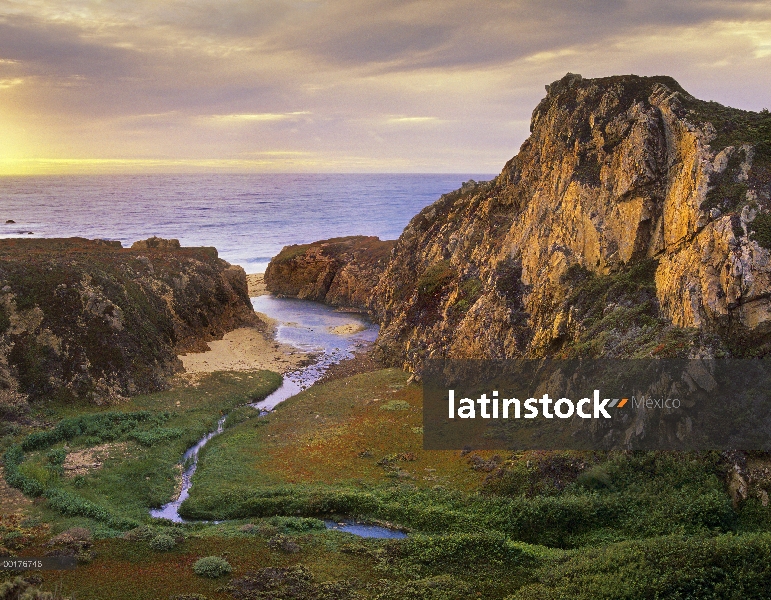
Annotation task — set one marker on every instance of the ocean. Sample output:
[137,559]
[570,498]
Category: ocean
[247,217]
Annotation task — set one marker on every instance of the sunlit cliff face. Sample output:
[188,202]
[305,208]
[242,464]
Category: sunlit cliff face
[348,85]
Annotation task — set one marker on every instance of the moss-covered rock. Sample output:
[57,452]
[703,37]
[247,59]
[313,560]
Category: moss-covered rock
[89,319]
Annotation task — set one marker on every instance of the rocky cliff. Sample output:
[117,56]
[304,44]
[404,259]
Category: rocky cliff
[340,271]
[92,320]
[635,221]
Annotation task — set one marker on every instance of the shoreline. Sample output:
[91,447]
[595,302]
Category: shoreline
[246,348]
[254,348]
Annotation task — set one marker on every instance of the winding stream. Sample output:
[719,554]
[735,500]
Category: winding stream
[307,326]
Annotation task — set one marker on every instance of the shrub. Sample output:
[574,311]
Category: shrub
[442,587]
[18,479]
[70,504]
[212,567]
[760,230]
[100,427]
[297,524]
[156,435]
[162,542]
[290,583]
[21,588]
[57,456]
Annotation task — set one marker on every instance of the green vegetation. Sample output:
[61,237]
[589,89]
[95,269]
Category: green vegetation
[760,229]
[162,542]
[434,278]
[491,525]
[143,448]
[726,192]
[735,127]
[470,289]
[703,567]
[290,253]
[619,315]
[114,320]
[22,589]
[212,567]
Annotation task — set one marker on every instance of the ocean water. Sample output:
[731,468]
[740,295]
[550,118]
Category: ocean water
[248,218]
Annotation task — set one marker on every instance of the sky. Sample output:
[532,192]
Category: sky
[337,86]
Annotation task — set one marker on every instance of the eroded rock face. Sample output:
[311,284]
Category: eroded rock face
[634,221]
[340,271]
[618,173]
[89,319]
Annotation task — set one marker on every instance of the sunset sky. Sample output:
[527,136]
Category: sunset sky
[346,85]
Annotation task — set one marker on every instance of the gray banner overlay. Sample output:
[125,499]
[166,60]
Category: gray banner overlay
[45,563]
[602,404]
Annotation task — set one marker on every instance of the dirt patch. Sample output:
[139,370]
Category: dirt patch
[256,284]
[12,501]
[244,349]
[82,462]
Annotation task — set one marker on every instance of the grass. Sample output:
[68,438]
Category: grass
[484,525]
[153,431]
[338,432]
[333,450]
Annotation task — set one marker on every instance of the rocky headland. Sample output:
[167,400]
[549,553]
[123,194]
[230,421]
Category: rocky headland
[91,320]
[634,222]
[340,272]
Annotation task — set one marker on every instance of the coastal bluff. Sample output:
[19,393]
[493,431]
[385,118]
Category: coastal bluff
[92,320]
[635,221]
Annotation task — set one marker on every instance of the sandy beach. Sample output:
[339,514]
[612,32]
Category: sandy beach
[250,348]
[256,284]
[244,349]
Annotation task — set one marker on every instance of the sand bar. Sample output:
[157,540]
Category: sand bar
[348,328]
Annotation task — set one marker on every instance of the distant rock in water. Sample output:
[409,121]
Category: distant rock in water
[340,271]
[10,222]
[89,319]
[635,221]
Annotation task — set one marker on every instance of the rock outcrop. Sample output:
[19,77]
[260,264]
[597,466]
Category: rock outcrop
[92,320]
[635,221]
[341,272]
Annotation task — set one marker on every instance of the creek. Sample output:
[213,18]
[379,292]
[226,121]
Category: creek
[311,327]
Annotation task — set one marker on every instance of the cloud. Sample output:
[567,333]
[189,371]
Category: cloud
[343,82]
[58,50]
[252,117]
